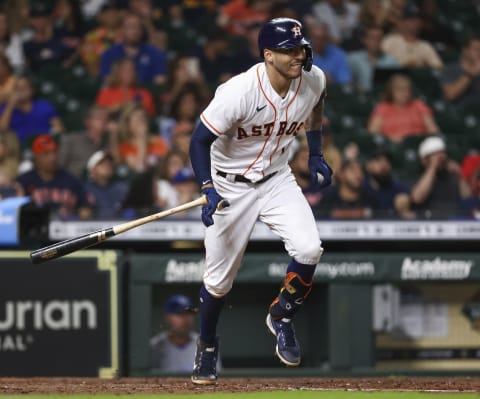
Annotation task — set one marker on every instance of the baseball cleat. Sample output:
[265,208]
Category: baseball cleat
[205,365]
[287,348]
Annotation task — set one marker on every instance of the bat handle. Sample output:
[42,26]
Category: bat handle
[222,204]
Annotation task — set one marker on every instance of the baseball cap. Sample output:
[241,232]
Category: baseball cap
[96,158]
[184,175]
[178,304]
[431,145]
[44,143]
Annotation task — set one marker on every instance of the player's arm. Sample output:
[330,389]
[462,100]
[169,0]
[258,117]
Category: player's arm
[200,143]
[317,165]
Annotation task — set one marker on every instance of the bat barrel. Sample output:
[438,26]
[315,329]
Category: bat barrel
[68,246]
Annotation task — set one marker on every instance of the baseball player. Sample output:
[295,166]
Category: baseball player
[239,152]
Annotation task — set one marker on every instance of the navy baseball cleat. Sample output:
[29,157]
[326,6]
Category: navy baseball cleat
[287,349]
[205,366]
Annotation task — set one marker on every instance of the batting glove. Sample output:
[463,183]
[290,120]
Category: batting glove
[215,201]
[318,166]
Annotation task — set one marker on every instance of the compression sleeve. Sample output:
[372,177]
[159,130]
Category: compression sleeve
[314,140]
[200,143]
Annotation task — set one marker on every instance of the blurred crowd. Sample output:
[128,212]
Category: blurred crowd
[99,98]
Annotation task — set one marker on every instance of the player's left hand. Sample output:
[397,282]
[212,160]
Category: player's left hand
[318,166]
[215,201]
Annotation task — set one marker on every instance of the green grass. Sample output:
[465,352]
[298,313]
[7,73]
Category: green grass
[268,395]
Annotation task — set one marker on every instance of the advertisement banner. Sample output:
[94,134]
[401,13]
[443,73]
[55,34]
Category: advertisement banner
[352,267]
[60,318]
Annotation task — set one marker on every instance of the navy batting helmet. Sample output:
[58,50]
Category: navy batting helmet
[284,33]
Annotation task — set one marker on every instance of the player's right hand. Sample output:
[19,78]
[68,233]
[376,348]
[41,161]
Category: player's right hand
[215,201]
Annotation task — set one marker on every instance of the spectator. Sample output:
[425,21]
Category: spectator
[28,116]
[341,17]
[183,72]
[141,197]
[182,134]
[150,62]
[299,166]
[104,195]
[186,187]
[18,13]
[470,207]
[122,89]
[215,63]
[46,46]
[441,186]
[434,30]
[9,155]
[165,194]
[400,114]
[471,172]
[395,9]
[77,147]
[406,46]
[8,80]
[184,108]
[327,56]
[348,198]
[150,15]
[249,54]
[49,185]
[373,13]
[138,149]
[381,183]
[364,62]
[98,40]
[461,80]
[11,44]
[173,350]
[69,20]
[236,15]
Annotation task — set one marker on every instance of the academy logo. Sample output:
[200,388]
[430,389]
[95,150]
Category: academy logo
[435,269]
[177,271]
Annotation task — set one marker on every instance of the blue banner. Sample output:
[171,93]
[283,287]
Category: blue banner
[9,219]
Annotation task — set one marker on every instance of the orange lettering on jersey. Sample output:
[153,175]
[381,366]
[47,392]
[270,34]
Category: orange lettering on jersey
[256,131]
[269,127]
[292,129]
[281,128]
[241,133]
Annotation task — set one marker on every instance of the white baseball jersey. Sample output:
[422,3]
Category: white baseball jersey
[255,127]
[254,124]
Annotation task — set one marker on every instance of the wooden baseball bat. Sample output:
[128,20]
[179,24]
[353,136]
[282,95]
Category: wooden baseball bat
[65,247]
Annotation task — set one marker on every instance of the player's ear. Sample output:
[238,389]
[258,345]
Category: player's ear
[267,55]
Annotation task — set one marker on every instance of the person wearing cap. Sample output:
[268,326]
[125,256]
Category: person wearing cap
[48,44]
[28,116]
[380,181]
[406,46]
[187,189]
[105,195]
[441,186]
[50,186]
[348,198]
[173,349]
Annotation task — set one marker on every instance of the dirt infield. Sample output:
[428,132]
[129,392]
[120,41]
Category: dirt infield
[183,385]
